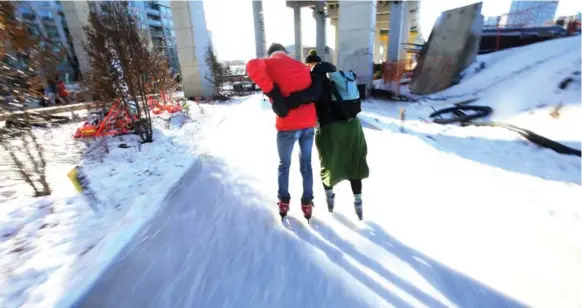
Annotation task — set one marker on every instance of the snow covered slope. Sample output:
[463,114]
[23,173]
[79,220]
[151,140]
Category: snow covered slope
[440,230]
[524,81]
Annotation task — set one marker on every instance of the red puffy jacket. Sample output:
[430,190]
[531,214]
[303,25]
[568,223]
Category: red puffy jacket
[291,76]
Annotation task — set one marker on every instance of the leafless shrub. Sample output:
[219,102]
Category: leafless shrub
[122,65]
[26,156]
[218,74]
[28,60]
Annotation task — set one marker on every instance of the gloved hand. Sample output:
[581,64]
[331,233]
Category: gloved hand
[278,101]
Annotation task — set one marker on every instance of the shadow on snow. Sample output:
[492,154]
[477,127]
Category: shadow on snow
[456,287]
[218,244]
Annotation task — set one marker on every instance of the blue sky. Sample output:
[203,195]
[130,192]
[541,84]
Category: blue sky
[231,22]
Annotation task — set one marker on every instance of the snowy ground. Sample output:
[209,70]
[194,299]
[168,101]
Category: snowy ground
[454,217]
[441,229]
[51,243]
[521,84]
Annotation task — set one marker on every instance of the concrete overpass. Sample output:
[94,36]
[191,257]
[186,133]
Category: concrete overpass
[363,30]
[366,32]
[360,28]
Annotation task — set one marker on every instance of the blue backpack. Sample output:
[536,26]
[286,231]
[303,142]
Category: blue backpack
[345,95]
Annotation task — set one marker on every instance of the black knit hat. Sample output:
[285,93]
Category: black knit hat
[275,47]
[312,57]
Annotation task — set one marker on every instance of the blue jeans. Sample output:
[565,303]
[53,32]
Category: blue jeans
[285,143]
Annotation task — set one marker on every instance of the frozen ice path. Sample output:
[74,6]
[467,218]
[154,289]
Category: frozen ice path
[219,242]
[216,245]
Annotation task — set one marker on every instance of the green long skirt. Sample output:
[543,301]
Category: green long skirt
[342,152]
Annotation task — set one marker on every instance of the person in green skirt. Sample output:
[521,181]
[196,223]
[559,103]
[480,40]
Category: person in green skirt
[341,143]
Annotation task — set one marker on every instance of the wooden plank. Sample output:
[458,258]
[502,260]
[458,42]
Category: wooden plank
[452,44]
[54,109]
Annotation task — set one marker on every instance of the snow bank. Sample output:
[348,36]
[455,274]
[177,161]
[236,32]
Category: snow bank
[522,85]
[512,204]
[481,201]
[53,248]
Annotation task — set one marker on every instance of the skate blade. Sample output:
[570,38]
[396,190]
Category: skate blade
[360,215]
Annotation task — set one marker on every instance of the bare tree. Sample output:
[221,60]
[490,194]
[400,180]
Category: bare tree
[218,74]
[121,56]
[163,82]
[28,60]
[102,82]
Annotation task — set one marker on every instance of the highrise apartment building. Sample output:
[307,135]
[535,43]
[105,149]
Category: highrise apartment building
[46,18]
[531,13]
[63,21]
[156,19]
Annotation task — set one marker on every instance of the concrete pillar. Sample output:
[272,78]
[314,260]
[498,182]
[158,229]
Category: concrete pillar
[334,23]
[399,31]
[357,27]
[404,30]
[319,15]
[260,41]
[192,42]
[77,16]
[297,23]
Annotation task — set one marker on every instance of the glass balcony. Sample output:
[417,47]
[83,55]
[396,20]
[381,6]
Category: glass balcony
[152,12]
[156,33]
[155,23]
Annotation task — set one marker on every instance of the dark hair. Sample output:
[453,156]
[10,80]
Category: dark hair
[275,47]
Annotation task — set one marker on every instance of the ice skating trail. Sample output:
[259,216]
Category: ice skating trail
[439,231]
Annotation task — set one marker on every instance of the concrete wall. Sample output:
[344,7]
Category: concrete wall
[450,48]
[383,14]
[192,42]
[77,16]
[357,30]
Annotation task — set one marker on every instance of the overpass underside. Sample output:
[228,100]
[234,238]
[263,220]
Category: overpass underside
[366,32]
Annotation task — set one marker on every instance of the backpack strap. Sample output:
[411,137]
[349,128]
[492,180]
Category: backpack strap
[338,104]
[344,75]
[335,92]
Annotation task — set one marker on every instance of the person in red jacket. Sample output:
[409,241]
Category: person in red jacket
[278,76]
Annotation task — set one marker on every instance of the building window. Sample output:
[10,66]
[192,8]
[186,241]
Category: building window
[29,16]
[24,9]
[46,15]
[33,30]
[51,31]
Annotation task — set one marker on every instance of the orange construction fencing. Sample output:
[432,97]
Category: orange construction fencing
[394,72]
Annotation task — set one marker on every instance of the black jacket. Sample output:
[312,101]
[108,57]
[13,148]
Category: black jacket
[319,92]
